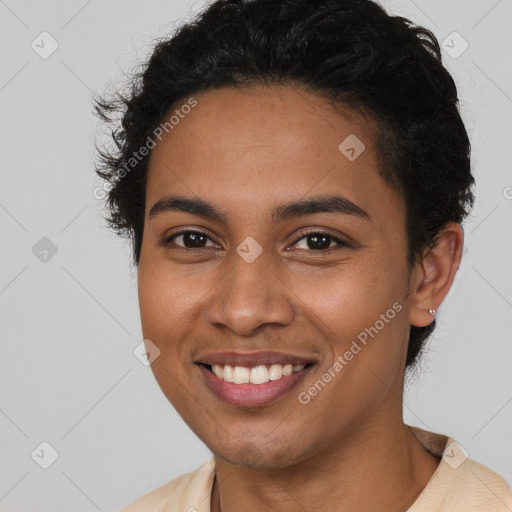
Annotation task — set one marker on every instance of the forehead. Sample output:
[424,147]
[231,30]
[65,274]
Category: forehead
[268,144]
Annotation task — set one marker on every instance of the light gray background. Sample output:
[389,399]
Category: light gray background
[69,325]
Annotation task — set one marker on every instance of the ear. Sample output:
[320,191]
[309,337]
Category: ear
[432,278]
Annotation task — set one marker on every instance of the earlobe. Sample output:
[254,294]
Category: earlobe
[434,275]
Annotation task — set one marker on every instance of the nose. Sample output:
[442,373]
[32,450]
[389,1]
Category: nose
[250,295]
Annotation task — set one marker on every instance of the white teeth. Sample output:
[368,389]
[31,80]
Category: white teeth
[228,373]
[256,375]
[259,375]
[287,369]
[218,370]
[276,371]
[241,375]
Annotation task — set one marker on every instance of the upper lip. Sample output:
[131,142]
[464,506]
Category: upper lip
[251,359]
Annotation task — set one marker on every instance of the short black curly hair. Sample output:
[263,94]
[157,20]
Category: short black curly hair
[352,53]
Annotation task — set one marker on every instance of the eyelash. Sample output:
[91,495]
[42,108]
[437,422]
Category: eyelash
[341,243]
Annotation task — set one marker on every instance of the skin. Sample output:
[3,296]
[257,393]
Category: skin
[248,151]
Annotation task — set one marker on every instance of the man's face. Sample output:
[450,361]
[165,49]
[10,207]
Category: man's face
[266,287]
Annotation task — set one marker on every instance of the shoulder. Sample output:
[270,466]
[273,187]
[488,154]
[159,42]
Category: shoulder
[189,492]
[477,486]
[459,484]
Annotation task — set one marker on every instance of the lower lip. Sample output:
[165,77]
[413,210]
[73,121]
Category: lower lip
[252,395]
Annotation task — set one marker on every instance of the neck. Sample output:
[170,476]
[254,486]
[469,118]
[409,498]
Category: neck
[378,467]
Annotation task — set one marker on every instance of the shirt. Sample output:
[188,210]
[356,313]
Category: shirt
[459,484]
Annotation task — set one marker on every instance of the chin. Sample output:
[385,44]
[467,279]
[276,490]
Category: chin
[251,455]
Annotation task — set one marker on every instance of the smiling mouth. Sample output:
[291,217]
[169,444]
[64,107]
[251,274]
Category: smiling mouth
[260,374]
[253,386]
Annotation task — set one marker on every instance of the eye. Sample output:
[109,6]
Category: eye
[189,240]
[319,241]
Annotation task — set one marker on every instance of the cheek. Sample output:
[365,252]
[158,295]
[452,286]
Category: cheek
[361,311]
[367,359]
[166,309]
[350,298]
[166,298]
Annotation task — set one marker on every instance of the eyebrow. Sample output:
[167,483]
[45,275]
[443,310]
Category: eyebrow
[320,204]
